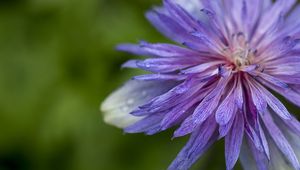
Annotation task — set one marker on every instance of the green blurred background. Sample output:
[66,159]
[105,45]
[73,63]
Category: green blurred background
[57,63]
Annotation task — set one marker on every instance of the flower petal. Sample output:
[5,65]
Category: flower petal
[227,109]
[203,111]
[246,158]
[118,105]
[199,142]
[291,93]
[280,7]
[233,141]
[280,140]
[257,99]
[278,162]
[170,27]
[183,109]
[192,7]
[150,125]
[160,50]
[274,103]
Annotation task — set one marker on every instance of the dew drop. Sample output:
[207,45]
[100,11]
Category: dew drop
[181,89]
[130,101]
[124,109]
[144,93]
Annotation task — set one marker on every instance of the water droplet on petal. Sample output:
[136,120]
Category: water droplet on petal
[130,101]
[124,109]
[144,93]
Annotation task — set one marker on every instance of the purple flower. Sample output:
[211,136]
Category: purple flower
[219,81]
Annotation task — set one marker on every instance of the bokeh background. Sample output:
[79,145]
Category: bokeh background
[57,63]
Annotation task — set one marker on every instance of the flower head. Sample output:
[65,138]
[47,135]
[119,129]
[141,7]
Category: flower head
[219,81]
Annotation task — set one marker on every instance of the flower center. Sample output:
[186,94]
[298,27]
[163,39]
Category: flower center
[241,53]
[242,57]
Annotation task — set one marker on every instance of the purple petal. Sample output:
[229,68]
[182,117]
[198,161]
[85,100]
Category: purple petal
[199,142]
[294,125]
[246,157]
[278,160]
[203,111]
[258,100]
[274,80]
[215,14]
[277,48]
[130,64]
[150,125]
[291,94]
[274,103]
[171,98]
[224,129]
[159,77]
[269,78]
[248,150]
[254,136]
[159,50]
[169,50]
[264,141]
[133,49]
[233,141]
[239,94]
[170,27]
[204,39]
[201,67]
[181,111]
[280,7]
[163,65]
[280,140]
[210,102]
[227,109]
[199,47]
[180,14]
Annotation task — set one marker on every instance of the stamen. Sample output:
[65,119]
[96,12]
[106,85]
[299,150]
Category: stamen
[241,54]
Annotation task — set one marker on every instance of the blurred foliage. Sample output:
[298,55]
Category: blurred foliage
[57,63]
